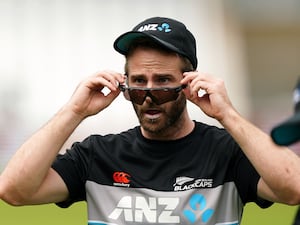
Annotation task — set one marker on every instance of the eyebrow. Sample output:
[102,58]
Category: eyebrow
[157,75]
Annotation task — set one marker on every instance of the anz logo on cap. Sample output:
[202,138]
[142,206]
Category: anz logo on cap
[165,27]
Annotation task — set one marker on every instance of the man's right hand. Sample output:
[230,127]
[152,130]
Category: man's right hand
[28,178]
[88,98]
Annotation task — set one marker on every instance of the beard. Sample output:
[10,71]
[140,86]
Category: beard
[169,119]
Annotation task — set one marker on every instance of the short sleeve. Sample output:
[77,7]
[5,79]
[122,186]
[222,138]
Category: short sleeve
[73,167]
[246,180]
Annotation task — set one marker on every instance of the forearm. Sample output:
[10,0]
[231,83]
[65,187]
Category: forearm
[278,166]
[27,169]
[26,173]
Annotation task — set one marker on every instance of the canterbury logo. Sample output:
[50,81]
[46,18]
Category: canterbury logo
[121,177]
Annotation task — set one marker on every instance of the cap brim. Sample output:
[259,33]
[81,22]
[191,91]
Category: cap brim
[123,42]
[287,132]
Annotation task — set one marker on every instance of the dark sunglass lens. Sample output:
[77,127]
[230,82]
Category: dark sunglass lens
[164,95]
[158,95]
[137,96]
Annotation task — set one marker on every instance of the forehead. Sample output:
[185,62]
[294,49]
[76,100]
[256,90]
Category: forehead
[145,59]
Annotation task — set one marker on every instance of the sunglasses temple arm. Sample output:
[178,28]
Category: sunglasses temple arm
[122,87]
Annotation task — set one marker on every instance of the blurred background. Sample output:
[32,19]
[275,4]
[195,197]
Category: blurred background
[48,46]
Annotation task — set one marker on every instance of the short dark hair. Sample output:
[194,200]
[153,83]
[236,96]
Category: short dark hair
[145,42]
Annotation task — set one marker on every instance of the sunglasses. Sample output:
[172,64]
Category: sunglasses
[158,95]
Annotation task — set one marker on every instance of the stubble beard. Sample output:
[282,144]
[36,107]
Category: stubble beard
[169,120]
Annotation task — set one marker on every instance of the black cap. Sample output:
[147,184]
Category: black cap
[168,32]
[288,132]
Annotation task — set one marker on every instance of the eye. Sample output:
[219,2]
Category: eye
[138,81]
[164,80]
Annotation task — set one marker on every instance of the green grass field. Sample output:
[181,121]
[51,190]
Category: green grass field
[278,214]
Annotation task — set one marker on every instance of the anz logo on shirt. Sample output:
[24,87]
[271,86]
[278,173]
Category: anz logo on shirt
[159,210]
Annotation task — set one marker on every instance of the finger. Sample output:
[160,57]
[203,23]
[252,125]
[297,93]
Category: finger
[196,86]
[188,77]
[108,79]
[114,78]
[201,82]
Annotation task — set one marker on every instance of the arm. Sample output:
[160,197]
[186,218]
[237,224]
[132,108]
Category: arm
[278,167]
[28,177]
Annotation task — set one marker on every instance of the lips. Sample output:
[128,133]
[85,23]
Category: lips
[152,113]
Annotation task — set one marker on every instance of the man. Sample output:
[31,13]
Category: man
[168,170]
[288,132]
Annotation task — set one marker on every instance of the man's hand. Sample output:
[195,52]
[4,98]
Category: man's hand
[28,177]
[215,102]
[88,99]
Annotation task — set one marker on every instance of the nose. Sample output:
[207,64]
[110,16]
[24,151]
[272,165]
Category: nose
[150,84]
[148,98]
